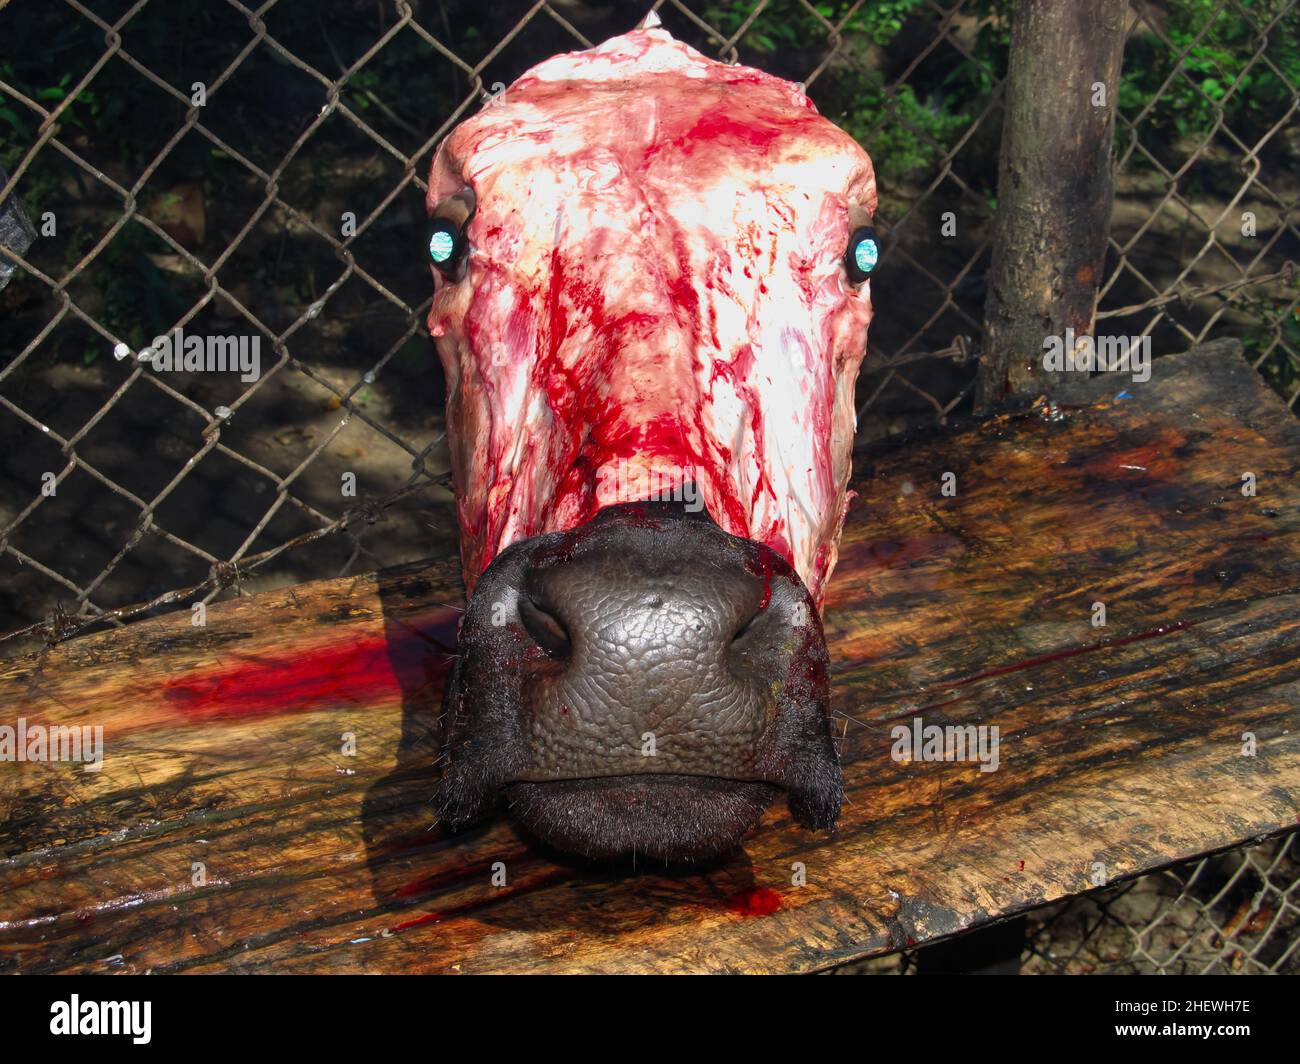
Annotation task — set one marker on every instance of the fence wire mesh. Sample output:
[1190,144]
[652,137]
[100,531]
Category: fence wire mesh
[219,168]
[1237,913]
[1234,913]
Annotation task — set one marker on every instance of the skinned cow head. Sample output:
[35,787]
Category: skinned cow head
[651,307]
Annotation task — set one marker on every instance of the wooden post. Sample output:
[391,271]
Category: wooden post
[1054,191]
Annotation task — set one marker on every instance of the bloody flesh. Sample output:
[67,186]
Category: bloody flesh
[655,294]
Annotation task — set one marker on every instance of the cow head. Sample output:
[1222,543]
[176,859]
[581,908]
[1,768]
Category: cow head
[651,305]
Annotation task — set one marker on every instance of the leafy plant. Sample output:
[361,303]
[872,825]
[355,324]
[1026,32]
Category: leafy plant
[1278,327]
[908,128]
[1213,68]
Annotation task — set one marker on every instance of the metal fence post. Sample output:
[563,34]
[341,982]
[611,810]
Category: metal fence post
[1055,189]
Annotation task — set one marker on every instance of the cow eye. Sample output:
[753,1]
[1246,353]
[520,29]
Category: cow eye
[446,246]
[447,241]
[863,253]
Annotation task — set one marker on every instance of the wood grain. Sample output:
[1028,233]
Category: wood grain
[1120,746]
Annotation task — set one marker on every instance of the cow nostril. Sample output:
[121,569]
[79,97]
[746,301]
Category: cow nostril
[745,629]
[746,650]
[545,628]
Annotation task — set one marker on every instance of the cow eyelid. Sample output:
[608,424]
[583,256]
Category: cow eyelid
[447,240]
[862,254]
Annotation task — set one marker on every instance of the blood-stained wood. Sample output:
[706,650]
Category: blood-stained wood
[231,828]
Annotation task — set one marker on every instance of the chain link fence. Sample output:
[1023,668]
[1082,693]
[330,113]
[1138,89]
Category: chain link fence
[1237,913]
[1234,913]
[221,168]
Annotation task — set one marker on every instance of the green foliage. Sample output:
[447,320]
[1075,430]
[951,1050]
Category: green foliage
[908,128]
[140,301]
[1216,73]
[907,137]
[1276,319]
[39,51]
[880,22]
[784,25]
[400,72]
[788,24]
[19,124]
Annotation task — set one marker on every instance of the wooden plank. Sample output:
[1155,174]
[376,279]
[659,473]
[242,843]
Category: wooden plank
[1119,745]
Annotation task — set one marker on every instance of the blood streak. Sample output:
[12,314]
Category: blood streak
[761,565]
[657,281]
[1070,652]
[342,669]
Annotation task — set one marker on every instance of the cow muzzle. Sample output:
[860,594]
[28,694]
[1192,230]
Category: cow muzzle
[642,685]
